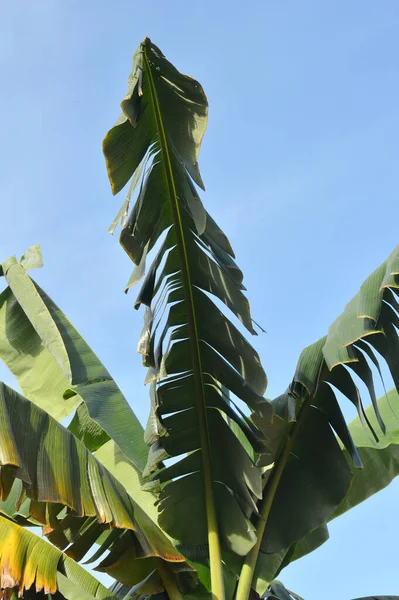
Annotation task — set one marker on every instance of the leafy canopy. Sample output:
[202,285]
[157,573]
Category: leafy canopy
[223,488]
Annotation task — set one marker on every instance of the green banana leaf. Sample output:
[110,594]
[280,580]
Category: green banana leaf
[76,535]
[380,466]
[75,498]
[190,347]
[380,460]
[58,371]
[318,481]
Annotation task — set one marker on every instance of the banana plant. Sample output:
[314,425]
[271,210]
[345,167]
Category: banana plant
[224,487]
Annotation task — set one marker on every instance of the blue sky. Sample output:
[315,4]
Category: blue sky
[300,164]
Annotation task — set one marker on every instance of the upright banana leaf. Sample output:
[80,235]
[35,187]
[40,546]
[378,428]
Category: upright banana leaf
[191,348]
[312,476]
[57,370]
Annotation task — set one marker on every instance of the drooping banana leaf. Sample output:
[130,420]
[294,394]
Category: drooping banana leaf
[367,324]
[28,563]
[129,476]
[57,471]
[14,509]
[58,371]
[380,466]
[191,348]
[380,460]
[311,476]
[78,534]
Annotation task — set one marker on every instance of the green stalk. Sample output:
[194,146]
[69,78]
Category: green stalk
[169,582]
[249,566]
[215,555]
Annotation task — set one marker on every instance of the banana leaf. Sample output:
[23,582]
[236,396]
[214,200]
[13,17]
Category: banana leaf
[191,348]
[30,565]
[60,477]
[57,370]
[316,480]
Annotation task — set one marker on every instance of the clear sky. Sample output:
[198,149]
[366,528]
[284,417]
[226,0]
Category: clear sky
[300,162]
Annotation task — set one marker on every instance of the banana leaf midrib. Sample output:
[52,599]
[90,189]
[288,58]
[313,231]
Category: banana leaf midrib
[213,536]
